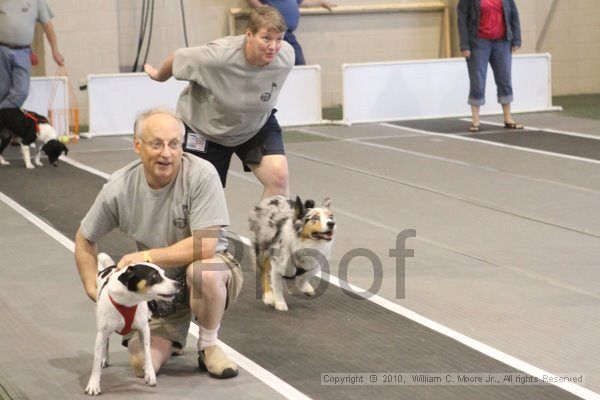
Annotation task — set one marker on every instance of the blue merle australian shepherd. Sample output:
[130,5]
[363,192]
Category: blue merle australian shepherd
[291,241]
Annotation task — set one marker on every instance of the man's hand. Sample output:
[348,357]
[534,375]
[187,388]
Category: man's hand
[255,3]
[87,264]
[466,53]
[58,58]
[152,72]
[164,72]
[515,48]
[129,259]
[318,3]
[51,36]
[327,5]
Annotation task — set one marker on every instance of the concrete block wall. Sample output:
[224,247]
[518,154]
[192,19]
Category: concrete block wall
[100,36]
[205,21]
[332,40]
[574,42]
[87,35]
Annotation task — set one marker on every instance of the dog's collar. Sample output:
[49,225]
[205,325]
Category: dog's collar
[127,312]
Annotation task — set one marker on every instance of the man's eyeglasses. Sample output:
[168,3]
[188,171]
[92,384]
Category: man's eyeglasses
[159,144]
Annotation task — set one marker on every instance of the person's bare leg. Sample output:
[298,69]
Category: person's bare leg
[506,111]
[272,172]
[509,122]
[160,348]
[475,115]
[207,280]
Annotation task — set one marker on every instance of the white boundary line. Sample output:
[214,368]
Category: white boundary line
[508,146]
[290,392]
[84,167]
[382,146]
[361,141]
[459,337]
[50,231]
[536,128]
[253,368]
[259,372]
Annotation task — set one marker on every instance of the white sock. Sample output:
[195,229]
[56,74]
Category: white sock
[207,337]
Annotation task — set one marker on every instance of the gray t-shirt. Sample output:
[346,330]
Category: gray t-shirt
[18,18]
[157,218]
[228,100]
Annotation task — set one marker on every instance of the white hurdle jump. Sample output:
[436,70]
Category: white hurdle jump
[116,99]
[49,93]
[392,91]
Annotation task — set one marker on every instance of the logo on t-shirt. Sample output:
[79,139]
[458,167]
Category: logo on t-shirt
[266,96]
[180,222]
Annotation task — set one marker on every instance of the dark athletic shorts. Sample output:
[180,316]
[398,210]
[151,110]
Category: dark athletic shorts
[267,141]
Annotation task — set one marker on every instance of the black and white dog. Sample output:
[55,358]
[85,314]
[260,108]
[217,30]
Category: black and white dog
[122,305]
[31,128]
[290,243]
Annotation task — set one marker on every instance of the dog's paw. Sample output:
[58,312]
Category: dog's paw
[93,388]
[3,161]
[269,298]
[308,290]
[304,286]
[280,306]
[39,164]
[30,166]
[150,378]
[104,363]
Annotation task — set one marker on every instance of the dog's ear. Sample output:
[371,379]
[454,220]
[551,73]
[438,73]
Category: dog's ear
[326,203]
[53,149]
[309,204]
[49,146]
[299,210]
[126,275]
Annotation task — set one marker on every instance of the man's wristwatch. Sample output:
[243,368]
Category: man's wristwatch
[146,256]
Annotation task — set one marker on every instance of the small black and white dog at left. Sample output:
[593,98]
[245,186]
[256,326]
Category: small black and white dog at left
[31,128]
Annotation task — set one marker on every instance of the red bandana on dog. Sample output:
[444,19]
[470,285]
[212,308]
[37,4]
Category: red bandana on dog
[127,312]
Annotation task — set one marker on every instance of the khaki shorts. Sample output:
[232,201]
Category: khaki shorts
[175,327]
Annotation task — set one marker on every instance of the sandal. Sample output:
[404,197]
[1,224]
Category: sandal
[512,125]
[474,128]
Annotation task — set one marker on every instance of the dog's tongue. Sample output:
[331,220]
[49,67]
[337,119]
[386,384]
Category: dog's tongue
[325,235]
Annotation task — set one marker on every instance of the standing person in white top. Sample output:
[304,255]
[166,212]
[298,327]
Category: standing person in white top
[228,106]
